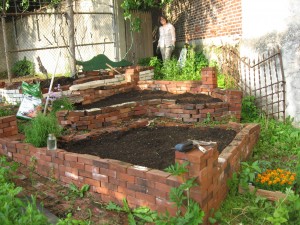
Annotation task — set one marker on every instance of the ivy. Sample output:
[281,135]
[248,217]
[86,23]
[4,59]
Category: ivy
[140,5]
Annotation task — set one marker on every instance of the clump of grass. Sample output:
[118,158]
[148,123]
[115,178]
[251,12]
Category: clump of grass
[37,132]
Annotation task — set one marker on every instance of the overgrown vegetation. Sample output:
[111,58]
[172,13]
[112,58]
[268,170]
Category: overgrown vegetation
[12,209]
[278,147]
[37,132]
[23,67]
[172,70]
[140,5]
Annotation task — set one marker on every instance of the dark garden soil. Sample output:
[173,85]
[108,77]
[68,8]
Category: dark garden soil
[152,147]
[58,199]
[186,98]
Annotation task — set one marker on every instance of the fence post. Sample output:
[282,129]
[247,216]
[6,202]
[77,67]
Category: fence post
[5,45]
[70,17]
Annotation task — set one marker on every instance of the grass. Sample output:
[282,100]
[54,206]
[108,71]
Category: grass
[279,145]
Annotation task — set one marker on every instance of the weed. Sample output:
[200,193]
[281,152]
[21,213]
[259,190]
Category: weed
[142,214]
[250,112]
[76,192]
[70,221]
[32,167]
[62,103]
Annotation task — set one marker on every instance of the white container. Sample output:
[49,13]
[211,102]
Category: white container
[51,142]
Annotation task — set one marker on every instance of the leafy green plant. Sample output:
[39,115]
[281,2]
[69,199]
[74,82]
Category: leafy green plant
[12,209]
[6,112]
[188,211]
[23,67]
[157,64]
[37,132]
[144,61]
[140,5]
[286,210]
[71,221]
[249,110]
[76,192]
[248,172]
[171,70]
[140,214]
[62,103]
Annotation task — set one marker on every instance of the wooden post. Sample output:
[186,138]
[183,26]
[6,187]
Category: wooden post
[5,42]
[70,18]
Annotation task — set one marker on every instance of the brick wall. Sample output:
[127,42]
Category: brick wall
[114,180]
[206,18]
[8,126]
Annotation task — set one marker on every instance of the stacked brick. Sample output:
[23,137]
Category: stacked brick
[233,98]
[106,116]
[8,126]
[114,180]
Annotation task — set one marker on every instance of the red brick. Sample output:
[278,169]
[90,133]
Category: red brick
[72,157]
[117,182]
[92,182]
[87,159]
[119,166]
[157,175]
[100,177]
[91,169]
[137,171]
[107,172]
[125,177]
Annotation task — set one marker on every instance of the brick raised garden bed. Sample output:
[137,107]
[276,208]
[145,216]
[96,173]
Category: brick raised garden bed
[88,93]
[114,180]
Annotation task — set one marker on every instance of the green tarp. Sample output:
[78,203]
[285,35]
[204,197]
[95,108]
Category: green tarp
[99,62]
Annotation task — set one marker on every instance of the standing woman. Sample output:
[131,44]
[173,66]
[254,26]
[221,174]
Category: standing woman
[167,38]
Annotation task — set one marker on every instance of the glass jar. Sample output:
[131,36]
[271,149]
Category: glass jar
[51,142]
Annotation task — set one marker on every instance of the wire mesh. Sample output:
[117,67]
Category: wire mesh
[40,31]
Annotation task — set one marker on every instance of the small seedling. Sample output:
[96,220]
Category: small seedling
[76,192]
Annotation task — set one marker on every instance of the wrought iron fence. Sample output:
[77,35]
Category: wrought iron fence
[262,78]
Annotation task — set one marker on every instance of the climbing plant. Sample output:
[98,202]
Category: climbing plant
[140,5]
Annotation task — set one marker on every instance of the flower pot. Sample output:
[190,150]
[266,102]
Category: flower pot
[271,195]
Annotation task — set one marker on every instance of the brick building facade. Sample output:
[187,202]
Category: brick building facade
[194,19]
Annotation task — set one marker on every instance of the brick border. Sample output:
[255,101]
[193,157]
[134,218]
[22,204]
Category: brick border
[114,180]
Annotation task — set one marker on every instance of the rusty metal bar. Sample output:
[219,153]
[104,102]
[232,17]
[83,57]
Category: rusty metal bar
[282,74]
[271,79]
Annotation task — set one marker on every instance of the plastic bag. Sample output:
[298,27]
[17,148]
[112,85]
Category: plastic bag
[29,108]
[32,101]
[32,89]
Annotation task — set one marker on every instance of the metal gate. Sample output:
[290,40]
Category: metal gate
[262,78]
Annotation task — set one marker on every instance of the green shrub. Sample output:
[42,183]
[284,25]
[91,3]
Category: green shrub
[249,110]
[144,61]
[157,64]
[62,103]
[37,132]
[23,67]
